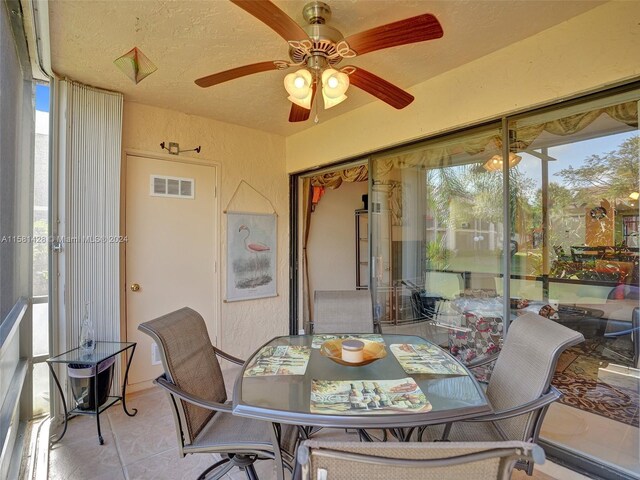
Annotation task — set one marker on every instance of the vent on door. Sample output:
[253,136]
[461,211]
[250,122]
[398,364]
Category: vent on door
[162,186]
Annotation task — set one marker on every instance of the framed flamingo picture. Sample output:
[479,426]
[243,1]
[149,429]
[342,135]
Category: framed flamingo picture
[251,256]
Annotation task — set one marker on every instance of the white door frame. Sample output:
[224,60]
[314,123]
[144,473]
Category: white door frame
[217,292]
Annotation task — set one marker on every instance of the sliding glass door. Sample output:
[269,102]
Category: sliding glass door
[444,235]
[438,236]
[576,224]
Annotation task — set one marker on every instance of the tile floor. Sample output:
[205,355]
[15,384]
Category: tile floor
[145,447]
[594,436]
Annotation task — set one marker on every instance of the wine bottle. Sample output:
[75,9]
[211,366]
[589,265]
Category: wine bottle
[368,396]
[355,398]
[384,398]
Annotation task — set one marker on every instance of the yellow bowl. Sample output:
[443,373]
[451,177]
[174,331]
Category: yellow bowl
[372,351]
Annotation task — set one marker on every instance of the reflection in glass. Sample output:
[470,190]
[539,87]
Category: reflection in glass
[40,329]
[437,240]
[40,389]
[576,224]
[437,235]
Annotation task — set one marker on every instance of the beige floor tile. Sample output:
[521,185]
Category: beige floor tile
[169,466]
[138,439]
[84,459]
[150,404]
[593,435]
[83,428]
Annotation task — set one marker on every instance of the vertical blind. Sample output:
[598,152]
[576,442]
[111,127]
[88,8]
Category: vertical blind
[92,212]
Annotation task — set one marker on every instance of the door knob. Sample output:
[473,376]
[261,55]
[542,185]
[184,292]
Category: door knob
[135,287]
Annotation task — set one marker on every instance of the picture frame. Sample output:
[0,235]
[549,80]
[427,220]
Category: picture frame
[251,256]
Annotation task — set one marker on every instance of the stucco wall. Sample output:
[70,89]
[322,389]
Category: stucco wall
[593,50]
[243,154]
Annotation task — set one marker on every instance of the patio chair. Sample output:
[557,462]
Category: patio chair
[408,461]
[634,333]
[519,390]
[342,311]
[424,305]
[194,383]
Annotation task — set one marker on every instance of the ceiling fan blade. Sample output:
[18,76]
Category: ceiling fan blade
[238,72]
[300,114]
[273,17]
[410,30]
[378,87]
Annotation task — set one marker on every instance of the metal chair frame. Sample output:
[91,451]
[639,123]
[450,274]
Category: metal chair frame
[536,409]
[241,456]
[507,453]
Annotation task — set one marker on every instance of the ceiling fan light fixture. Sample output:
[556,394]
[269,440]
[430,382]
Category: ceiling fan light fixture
[303,102]
[298,85]
[332,102]
[494,164]
[334,83]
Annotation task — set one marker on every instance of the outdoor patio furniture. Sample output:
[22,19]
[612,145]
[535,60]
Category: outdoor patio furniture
[424,304]
[409,461]
[342,311]
[193,380]
[290,387]
[519,389]
[634,333]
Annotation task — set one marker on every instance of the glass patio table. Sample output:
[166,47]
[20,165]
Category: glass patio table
[288,398]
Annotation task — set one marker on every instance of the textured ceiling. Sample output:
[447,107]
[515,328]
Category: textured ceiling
[190,39]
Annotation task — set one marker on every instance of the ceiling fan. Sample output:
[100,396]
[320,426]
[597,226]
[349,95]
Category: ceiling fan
[318,48]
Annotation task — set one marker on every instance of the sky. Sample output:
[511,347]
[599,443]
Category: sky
[42,98]
[571,154]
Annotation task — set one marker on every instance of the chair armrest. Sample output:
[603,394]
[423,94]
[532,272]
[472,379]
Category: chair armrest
[546,399]
[622,332]
[228,357]
[187,397]
[482,361]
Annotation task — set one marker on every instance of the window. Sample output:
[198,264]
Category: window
[579,171]
[40,246]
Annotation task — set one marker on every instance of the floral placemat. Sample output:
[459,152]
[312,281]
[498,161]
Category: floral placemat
[282,360]
[318,340]
[425,358]
[362,397]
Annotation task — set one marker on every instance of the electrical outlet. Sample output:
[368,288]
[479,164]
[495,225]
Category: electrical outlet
[155,354]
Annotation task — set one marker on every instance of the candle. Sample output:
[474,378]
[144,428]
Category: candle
[352,351]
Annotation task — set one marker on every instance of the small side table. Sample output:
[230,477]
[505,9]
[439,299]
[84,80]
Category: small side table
[103,351]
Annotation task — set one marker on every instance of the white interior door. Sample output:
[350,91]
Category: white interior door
[171,251]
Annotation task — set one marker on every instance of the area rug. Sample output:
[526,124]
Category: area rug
[576,377]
